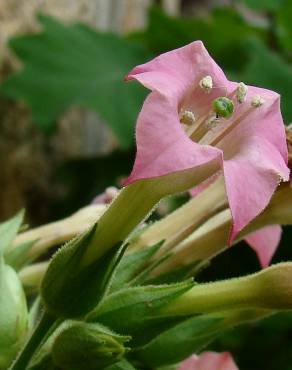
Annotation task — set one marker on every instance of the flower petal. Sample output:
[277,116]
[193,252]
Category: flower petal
[265,242]
[176,71]
[209,361]
[162,145]
[255,161]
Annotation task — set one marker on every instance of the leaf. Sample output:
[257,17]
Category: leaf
[132,310]
[132,264]
[179,342]
[76,65]
[8,231]
[267,69]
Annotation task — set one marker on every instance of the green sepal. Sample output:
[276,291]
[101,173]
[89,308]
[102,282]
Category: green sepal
[87,346]
[13,314]
[17,257]
[136,311]
[179,342]
[71,290]
[9,230]
[131,265]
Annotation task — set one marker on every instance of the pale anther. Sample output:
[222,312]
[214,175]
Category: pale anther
[206,83]
[257,101]
[241,92]
[188,118]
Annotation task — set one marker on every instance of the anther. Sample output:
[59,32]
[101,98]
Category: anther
[206,83]
[188,118]
[241,92]
[257,101]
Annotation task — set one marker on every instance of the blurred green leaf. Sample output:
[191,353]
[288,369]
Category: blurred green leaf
[223,33]
[284,22]
[266,5]
[76,65]
[266,69]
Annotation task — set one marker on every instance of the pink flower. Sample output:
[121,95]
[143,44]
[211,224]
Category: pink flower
[181,132]
[209,361]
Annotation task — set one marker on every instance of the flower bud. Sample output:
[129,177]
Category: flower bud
[87,346]
[13,315]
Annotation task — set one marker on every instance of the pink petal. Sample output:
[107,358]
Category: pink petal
[265,242]
[162,145]
[174,72]
[210,361]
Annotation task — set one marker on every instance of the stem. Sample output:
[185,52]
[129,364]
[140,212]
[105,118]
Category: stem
[34,342]
[31,276]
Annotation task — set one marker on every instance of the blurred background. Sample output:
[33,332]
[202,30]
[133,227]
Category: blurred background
[67,118]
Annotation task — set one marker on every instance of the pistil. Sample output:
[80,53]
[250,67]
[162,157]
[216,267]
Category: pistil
[256,102]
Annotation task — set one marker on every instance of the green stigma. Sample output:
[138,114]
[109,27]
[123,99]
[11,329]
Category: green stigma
[223,107]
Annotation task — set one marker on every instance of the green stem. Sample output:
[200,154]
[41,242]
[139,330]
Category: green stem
[34,342]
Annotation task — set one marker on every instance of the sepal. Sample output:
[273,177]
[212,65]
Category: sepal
[70,289]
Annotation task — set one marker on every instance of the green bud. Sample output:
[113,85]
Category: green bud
[223,107]
[13,315]
[87,346]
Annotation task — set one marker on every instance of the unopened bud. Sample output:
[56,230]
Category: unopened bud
[87,346]
[13,315]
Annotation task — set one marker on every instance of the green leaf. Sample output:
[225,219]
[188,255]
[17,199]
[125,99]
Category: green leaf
[266,69]
[71,290]
[132,310]
[179,342]
[8,231]
[131,265]
[68,65]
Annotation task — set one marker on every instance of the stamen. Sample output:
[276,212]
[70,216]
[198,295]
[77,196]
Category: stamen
[241,92]
[257,101]
[188,118]
[206,83]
